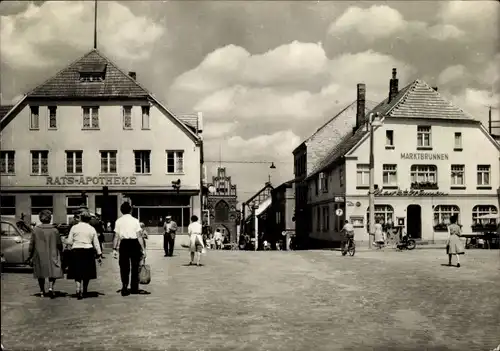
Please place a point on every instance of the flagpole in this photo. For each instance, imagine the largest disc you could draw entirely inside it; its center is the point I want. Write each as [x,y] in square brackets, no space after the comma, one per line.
[95,24]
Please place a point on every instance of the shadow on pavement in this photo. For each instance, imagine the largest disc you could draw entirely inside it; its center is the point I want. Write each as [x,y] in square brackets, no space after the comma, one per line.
[141,292]
[192,265]
[90,294]
[57,294]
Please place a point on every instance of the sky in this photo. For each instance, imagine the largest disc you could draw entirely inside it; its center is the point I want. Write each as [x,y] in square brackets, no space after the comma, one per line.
[265,74]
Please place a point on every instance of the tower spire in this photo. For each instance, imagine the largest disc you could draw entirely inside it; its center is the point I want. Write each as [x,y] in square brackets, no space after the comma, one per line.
[95,24]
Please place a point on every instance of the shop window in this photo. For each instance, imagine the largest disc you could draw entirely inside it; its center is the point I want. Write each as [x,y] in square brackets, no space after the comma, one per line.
[442,214]
[484,217]
[363,175]
[424,136]
[423,177]
[8,206]
[39,203]
[73,203]
[383,214]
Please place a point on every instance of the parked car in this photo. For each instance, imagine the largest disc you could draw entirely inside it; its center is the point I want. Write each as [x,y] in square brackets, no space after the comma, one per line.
[15,236]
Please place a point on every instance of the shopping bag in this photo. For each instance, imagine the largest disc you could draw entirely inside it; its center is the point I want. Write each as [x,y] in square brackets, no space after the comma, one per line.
[145,274]
[204,251]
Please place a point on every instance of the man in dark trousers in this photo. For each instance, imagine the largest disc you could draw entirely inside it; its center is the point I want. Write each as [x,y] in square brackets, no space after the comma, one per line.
[128,245]
[170,228]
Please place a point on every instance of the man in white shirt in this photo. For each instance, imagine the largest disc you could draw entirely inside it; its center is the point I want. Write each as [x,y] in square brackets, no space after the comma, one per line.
[348,231]
[127,243]
[170,228]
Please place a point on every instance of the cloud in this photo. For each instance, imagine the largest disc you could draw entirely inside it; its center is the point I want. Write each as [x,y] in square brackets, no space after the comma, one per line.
[476,12]
[214,130]
[282,86]
[382,21]
[452,74]
[28,42]
[12,101]
[477,102]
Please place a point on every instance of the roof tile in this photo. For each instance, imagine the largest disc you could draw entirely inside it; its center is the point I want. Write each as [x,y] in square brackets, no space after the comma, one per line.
[4,109]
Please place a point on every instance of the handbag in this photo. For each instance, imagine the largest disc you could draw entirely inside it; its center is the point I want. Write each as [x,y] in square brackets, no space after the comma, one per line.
[144,274]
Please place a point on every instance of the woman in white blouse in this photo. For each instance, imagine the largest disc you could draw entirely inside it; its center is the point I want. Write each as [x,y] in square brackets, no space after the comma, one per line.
[84,244]
[195,240]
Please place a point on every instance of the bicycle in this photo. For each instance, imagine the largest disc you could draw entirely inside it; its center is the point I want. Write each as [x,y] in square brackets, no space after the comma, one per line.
[351,247]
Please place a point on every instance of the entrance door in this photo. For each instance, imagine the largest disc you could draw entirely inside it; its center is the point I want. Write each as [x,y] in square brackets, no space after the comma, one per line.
[414,221]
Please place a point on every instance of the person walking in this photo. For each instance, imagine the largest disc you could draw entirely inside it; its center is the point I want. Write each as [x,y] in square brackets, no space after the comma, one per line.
[170,228]
[454,245]
[129,249]
[45,253]
[143,237]
[84,244]
[379,235]
[218,239]
[195,240]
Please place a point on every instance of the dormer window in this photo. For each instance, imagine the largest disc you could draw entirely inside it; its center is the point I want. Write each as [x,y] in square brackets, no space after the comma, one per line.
[92,72]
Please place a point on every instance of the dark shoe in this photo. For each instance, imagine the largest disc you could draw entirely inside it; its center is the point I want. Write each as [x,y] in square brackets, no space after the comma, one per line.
[51,294]
[190,263]
[134,292]
[125,292]
[79,295]
[165,255]
[458,265]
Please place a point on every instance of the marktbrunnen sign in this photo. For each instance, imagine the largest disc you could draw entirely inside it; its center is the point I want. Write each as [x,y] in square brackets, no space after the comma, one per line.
[423,156]
[100,180]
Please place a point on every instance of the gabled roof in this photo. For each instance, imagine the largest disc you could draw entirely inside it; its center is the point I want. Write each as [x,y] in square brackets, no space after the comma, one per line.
[4,109]
[369,105]
[67,84]
[267,186]
[419,100]
[416,100]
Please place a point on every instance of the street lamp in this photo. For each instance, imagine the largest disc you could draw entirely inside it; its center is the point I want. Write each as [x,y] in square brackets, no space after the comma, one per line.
[256,226]
[373,122]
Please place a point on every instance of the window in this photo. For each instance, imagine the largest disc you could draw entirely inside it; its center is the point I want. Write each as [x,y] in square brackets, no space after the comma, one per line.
[480,211]
[341,175]
[7,162]
[39,162]
[324,182]
[127,117]
[317,183]
[142,161]
[39,203]
[458,141]
[318,218]
[326,219]
[363,175]
[35,117]
[457,175]
[383,213]
[91,77]
[483,175]
[442,214]
[73,203]
[424,136]
[175,161]
[74,162]
[145,117]
[8,206]
[90,117]
[108,161]
[423,176]
[52,117]
[389,175]
[389,138]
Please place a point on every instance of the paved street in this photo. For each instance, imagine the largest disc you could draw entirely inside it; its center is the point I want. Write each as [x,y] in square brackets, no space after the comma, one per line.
[313,300]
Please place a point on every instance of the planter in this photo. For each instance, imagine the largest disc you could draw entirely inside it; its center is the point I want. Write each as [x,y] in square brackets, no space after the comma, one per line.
[484,228]
[440,227]
[424,186]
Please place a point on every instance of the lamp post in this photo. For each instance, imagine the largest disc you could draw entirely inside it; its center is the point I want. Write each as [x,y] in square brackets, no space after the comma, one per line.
[373,122]
[256,226]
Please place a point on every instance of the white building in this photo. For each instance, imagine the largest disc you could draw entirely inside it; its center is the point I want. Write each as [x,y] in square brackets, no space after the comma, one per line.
[431,160]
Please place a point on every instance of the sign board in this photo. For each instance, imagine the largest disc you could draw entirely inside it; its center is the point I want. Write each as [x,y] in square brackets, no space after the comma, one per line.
[339,212]
[83,181]
[424,156]
[411,193]
[339,199]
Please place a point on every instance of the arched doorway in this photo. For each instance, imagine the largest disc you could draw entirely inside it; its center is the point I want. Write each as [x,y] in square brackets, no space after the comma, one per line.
[221,211]
[414,221]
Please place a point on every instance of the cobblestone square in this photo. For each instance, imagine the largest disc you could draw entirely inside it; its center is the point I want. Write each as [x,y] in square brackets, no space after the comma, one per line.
[310,300]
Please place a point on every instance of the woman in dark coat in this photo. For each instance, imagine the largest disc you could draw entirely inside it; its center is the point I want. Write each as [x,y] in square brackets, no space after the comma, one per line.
[45,253]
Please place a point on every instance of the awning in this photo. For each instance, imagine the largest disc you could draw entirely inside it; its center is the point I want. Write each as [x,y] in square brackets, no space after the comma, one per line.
[489,216]
[263,206]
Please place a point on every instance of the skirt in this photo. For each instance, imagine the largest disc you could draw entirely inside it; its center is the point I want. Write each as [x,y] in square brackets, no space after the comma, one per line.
[454,246]
[82,264]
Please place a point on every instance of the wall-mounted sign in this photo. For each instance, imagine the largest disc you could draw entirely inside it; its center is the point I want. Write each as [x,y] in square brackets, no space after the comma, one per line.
[339,199]
[339,212]
[424,156]
[82,181]
[414,193]
[349,203]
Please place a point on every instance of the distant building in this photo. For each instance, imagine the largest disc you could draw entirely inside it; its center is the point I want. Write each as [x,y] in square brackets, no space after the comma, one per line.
[309,154]
[432,160]
[93,129]
[258,205]
[221,205]
[282,212]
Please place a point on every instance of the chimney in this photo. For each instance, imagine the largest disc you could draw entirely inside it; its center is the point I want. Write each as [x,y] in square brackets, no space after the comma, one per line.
[200,122]
[132,75]
[393,86]
[435,88]
[360,105]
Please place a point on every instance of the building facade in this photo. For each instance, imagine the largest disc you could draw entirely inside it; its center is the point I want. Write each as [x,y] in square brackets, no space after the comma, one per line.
[282,211]
[310,155]
[94,129]
[221,204]
[432,160]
